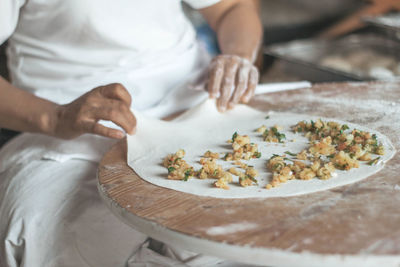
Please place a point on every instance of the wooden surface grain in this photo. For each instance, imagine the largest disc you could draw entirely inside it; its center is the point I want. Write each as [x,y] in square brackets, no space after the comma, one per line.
[357,219]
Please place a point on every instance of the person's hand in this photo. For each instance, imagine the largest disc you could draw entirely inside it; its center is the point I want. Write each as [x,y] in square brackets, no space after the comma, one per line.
[233,78]
[110,102]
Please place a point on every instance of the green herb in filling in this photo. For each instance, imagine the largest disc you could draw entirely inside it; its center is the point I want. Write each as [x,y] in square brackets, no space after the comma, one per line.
[234,136]
[290,153]
[188,173]
[373,161]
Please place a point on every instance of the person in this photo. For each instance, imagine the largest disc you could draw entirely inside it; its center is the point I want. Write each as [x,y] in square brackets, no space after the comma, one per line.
[76,66]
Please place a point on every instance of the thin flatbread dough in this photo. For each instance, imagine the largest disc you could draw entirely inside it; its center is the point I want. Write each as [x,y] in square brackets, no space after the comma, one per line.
[203,128]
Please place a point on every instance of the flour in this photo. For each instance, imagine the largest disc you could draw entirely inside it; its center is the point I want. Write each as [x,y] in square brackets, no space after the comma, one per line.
[231,228]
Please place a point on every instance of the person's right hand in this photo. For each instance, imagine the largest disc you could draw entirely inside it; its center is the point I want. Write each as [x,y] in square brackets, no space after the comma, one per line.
[110,102]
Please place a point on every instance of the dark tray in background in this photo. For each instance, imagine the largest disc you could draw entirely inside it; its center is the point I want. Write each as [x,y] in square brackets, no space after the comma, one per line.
[303,57]
[387,24]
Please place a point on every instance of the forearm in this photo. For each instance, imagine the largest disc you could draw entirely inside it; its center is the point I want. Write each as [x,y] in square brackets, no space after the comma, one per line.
[240,31]
[22,111]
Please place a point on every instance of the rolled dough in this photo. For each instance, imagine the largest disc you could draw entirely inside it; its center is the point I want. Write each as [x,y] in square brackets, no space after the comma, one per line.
[203,128]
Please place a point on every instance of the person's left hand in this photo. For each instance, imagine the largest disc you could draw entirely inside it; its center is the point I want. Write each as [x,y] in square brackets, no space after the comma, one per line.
[232,79]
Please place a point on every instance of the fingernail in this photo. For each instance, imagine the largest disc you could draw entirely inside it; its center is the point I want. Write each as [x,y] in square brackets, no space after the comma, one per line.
[119,135]
[231,105]
[222,109]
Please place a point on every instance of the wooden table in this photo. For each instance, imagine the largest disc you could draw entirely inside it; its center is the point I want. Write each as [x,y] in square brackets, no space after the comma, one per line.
[353,225]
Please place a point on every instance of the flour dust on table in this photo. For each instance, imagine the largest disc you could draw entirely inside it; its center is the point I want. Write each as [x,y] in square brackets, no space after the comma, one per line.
[261,138]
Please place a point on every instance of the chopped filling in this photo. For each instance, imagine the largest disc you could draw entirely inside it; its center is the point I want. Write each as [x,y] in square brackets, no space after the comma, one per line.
[272,134]
[246,178]
[282,170]
[224,181]
[242,148]
[332,146]
[345,148]
[178,168]
[210,169]
[210,154]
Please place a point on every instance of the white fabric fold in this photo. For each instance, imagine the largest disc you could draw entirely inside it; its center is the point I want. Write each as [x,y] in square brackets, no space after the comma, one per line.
[51,215]
[27,147]
[198,4]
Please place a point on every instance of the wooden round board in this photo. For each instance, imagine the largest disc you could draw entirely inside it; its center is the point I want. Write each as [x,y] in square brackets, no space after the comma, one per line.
[353,225]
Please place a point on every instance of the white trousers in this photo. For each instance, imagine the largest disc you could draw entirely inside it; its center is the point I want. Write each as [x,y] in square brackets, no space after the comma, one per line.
[51,215]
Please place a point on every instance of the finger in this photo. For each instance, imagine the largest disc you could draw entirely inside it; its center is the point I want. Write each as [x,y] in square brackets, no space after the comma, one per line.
[252,84]
[118,113]
[93,127]
[241,85]
[116,91]
[216,73]
[227,84]
[107,132]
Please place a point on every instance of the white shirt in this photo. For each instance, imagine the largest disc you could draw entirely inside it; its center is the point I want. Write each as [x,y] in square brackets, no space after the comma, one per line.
[59,49]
